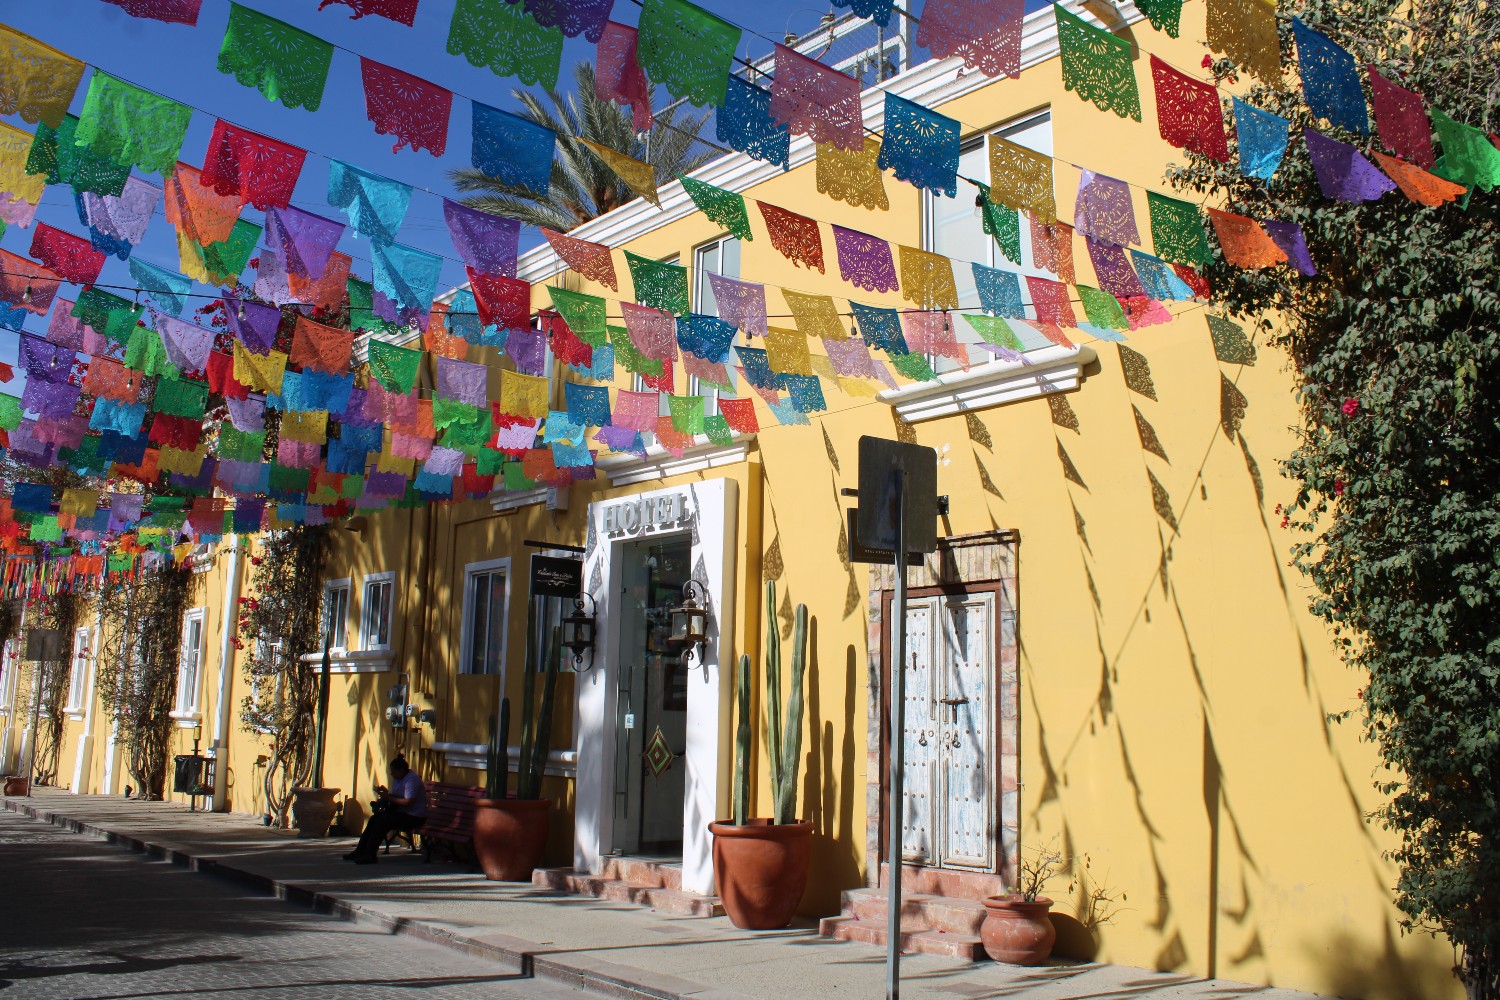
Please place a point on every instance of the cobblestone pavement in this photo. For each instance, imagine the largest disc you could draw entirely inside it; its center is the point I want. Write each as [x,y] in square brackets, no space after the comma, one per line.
[82,919]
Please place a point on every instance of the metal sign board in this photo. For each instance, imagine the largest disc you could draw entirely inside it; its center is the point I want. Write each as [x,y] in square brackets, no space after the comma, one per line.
[861,553]
[881,464]
[555,577]
[44,644]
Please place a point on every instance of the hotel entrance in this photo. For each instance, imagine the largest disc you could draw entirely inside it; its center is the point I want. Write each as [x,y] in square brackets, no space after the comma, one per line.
[651,701]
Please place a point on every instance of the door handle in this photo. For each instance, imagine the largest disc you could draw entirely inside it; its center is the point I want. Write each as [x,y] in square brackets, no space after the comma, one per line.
[952,740]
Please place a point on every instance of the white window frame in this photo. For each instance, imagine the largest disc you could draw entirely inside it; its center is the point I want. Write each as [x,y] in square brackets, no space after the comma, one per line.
[78,672]
[702,291]
[10,667]
[190,675]
[263,651]
[466,625]
[1034,131]
[330,587]
[367,607]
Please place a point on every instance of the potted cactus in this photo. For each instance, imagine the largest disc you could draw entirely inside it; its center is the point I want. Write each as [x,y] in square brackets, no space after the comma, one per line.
[761,864]
[510,832]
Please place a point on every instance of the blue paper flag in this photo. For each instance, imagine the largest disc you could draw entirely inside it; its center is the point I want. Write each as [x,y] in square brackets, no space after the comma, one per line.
[921,146]
[1330,81]
[878,11]
[167,289]
[406,276]
[1158,279]
[374,205]
[587,404]
[881,328]
[805,392]
[999,292]
[1262,138]
[513,149]
[744,123]
[32,498]
[757,368]
[708,337]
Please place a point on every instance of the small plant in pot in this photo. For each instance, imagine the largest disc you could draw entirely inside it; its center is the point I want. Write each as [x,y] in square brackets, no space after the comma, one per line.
[1017,928]
[510,832]
[760,865]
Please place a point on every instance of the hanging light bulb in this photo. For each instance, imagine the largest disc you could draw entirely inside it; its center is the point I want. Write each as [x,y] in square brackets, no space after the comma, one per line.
[26,296]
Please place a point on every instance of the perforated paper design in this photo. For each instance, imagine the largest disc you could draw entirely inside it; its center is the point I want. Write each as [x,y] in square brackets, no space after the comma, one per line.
[1470,157]
[744,123]
[852,176]
[999,292]
[1021,179]
[985,34]
[1262,137]
[503,302]
[68,256]
[321,348]
[1343,172]
[817,101]
[794,236]
[1104,210]
[1243,241]
[131,126]
[55,154]
[284,63]
[652,331]
[487,243]
[920,146]
[167,290]
[1245,31]
[15,146]
[1189,112]
[117,223]
[618,77]
[687,50]
[1417,184]
[409,108]
[1164,15]
[588,404]
[1049,299]
[865,260]
[169,11]
[1177,230]
[1096,65]
[400,11]
[932,333]
[462,381]
[1002,223]
[1052,248]
[250,166]
[407,277]
[592,260]
[1112,269]
[706,337]
[511,148]
[571,17]
[638,175]
[878,11]
[584,314]
[1158,278]
[1330,81]
[815,315]
[305,240]
[1288,236]
[499,36]
[37,82]
[1401,120]
[27,285]
[724,208]
[374,205]
[658,284]
[741,303]
[927,279]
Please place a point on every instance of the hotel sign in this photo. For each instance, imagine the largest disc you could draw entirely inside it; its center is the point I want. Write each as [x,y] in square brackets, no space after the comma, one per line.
[645,515]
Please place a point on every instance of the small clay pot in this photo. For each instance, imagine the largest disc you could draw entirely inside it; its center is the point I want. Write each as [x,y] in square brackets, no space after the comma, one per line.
[15,785]
[313,809]
[1017,931]
[510,837]
[761,870]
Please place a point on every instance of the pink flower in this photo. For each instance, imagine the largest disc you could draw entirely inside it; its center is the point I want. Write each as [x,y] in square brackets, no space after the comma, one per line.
[1286,521]
[1338,487]
[1208,60]
[1350,407]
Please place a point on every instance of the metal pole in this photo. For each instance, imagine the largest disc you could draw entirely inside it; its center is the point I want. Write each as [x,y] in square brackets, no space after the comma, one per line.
[36,716]
[897,797]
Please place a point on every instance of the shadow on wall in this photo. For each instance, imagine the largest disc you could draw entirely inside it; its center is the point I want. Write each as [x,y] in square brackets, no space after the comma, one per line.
[1353,968]
[828,786]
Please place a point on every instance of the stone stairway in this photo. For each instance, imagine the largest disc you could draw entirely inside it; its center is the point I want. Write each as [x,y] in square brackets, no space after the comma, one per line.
[657,884]
[932,925]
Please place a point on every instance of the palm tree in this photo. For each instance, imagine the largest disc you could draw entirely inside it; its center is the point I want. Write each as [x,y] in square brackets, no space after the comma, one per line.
[582,187]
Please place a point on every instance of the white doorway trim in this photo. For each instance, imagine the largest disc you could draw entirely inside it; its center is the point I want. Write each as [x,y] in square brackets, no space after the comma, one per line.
[711,518]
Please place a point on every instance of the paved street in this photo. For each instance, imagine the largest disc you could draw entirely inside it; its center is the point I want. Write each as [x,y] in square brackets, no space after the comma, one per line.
[83,919]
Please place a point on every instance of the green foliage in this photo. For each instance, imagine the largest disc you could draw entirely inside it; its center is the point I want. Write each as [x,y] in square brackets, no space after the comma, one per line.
[783,736]
[536,721]
[497,759]
[1396,348]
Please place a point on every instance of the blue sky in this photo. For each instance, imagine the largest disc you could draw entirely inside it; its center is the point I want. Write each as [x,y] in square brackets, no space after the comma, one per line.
[180,62]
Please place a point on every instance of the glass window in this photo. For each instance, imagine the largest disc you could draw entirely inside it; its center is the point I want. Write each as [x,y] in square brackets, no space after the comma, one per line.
[78,676]
[956,229]
[190,661]
[722,257]
[484,617]
[10,662]
[336,614]
[375,628]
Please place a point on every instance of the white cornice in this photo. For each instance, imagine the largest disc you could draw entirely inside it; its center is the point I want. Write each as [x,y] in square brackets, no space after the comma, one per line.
[626,470]
[1045,371]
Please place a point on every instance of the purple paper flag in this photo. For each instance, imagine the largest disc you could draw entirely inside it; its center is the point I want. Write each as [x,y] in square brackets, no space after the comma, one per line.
[271,283]
[306,241]
[463,381]
[252,323]
[44,361]
[188,346]
[1288,236]
[487,243]
[865,260]
[1343,172]
[64,329]
[621,439]
[741,303]
[1104,211]
[248,414]
[528,349]
[1113,270]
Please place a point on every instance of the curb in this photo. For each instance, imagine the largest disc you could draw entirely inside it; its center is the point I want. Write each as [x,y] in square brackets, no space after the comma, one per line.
[526,958]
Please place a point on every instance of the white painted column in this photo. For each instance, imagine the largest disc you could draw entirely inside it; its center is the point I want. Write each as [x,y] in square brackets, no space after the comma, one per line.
[83,762]
[223,717]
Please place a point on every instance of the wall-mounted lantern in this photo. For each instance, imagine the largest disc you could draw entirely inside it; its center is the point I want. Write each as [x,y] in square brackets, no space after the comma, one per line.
[578,629]
[690,622]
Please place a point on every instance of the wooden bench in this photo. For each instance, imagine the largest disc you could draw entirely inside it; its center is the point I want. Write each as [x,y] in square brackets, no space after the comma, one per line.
[450,818]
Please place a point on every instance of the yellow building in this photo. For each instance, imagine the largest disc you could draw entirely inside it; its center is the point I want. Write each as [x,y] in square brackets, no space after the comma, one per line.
[1109,650]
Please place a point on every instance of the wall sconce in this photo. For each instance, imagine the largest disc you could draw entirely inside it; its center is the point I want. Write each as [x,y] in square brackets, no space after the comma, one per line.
[578,629]
[690,623]
[398,710]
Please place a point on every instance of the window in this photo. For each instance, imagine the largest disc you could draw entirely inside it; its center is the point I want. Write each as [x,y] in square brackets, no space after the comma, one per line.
[10,666]
[78,675]
[375,611]
[189,663]
[955,229]
[336,614]
[638,384]
[722,257]
[485,614]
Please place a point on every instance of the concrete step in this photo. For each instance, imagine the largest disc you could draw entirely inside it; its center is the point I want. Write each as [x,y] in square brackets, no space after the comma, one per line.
[926,942]
[641,871]
[920,911]
[660,898]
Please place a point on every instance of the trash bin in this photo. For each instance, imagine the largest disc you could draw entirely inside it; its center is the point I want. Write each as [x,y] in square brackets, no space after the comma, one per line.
[188,773]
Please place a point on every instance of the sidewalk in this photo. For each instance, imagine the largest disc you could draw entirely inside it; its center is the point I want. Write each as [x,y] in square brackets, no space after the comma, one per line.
[614,949]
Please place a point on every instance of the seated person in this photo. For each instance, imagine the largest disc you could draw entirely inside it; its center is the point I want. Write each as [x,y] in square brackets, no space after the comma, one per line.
[403,806]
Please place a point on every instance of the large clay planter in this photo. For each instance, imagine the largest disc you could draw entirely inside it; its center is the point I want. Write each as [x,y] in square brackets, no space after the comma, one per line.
[15,785]
[761,870]
[1017,931]
[312,810]
[510,837]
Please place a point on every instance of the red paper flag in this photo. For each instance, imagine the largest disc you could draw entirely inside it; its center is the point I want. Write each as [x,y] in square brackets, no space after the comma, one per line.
[1189,112]
[71,257]
[250,166]
[411,109]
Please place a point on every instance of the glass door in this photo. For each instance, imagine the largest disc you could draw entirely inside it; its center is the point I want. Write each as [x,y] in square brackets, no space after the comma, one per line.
[651,701]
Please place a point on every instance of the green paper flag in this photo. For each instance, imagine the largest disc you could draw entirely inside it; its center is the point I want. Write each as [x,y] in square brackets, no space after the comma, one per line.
[10,412]
[716,426]
[659,284]
[56,154]
[1096,65]
[1103,309]
[146,354]
[724,208]
[1177,230]
[1164,15]
[1002,223]
[362,308]
[515,478]
[130,126]
[631,359]
[687,50]
[448,413]
[489,462]
[226,260]
[992,330]
[394,367]
[181,398]
[1469,158]
[284,63]
[240,446]
[914,366]
[507,40]
[687,413]
[583,313]
[108,314]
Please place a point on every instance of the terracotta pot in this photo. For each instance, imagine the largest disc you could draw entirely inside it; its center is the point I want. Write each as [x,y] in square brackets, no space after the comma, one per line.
[1017,931]
[15,785]
[761,870]
[510,837]
[312,810]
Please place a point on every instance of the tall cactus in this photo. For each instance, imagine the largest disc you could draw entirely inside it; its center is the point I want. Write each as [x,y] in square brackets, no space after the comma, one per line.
[497,763]
[783,736]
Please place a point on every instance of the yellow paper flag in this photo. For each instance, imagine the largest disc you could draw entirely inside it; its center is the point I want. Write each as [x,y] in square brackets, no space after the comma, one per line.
[639,177]
[522,395]
[15,147]
[79,503]
[927,279]
[261,372]
[37,82]
[1021,178]
[815,315]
